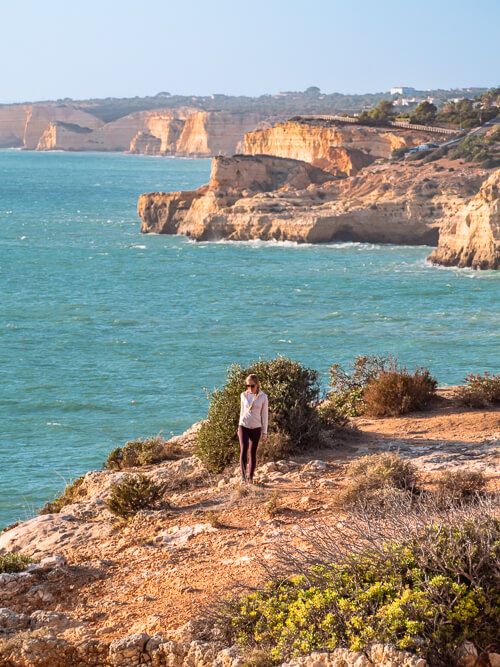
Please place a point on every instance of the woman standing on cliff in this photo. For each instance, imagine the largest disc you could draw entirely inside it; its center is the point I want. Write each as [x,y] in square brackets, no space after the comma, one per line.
[253,422]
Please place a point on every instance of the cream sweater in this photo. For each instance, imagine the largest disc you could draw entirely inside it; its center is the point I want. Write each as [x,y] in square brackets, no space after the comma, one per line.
[254,410]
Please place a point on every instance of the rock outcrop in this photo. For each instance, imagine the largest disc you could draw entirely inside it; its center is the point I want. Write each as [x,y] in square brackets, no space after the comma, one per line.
[339,149]
[389,203]
[194,213]
[471,237]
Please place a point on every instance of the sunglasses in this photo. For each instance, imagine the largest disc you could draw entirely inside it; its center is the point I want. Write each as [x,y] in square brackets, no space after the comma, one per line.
[250,385]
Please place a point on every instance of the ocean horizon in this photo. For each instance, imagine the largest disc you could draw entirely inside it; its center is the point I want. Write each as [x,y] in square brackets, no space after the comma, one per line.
[109,335]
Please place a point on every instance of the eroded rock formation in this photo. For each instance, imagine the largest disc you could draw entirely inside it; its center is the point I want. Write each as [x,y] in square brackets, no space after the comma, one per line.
[383,204]
[471,237]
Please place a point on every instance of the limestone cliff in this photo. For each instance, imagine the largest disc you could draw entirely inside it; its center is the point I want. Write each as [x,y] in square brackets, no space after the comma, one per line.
[388,203]
[215,132]
[471,237]
[12,122]
[230,179]
[23,125]
[340,149]
[39,116]
[182,131]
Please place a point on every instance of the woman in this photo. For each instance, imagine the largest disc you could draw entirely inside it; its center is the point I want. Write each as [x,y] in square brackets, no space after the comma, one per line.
[252,425]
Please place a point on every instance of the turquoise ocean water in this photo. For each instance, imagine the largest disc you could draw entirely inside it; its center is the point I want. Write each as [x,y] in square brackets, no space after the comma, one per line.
[108,335]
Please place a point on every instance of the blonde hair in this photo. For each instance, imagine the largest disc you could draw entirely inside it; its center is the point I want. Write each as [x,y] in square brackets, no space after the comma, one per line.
[253,378]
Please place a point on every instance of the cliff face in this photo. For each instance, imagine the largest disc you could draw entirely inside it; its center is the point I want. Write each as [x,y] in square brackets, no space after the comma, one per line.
[23,125]
[471,237]
[383,204]
[12,122]
[39,116]
[163,132]
[215,132]
[340,149]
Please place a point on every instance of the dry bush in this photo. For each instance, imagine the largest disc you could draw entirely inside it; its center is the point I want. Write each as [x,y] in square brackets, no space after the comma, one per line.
[133,493]
[370,477]
[397,391]
[142,452]
[256,657]
[214,519]
[71,494]
[459,485]
[479,391]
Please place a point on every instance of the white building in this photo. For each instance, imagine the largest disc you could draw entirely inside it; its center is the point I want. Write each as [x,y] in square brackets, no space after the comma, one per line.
[403,90]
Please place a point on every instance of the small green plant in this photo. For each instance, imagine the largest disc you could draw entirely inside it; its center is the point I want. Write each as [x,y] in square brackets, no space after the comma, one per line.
[480,391]
[294,424]
[273,505]
[459,485]
[14,562]
[397,391]
[369,476]
[142,452]
[72,493]
[133,493]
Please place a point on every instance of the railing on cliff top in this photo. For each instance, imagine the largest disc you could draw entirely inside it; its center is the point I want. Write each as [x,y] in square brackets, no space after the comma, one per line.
[393,123]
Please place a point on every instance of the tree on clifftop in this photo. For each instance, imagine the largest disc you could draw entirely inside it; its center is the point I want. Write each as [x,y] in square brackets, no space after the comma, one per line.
[425,112]
[380,114]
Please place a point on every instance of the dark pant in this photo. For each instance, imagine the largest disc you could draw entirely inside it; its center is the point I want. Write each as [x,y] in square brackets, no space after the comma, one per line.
[249,439]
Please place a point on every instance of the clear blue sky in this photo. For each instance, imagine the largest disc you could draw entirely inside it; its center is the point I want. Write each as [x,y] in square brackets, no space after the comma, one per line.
[97,48]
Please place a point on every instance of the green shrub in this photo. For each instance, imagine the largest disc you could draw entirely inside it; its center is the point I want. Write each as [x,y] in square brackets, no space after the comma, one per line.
[459,485]
[14,562]
[395,392]
[479,390]
[294,425]
[370,475]
[142,452]
[71,494]
[133,493]
[426,593]
[345,396]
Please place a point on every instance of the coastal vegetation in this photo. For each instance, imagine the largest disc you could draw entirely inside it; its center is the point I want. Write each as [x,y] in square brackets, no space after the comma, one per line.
[14,562]
[141,452]
[419,580]
[294,424]
[132,494]
[69,495]
[458,486]
[369,478]
[376,386]
[480,390]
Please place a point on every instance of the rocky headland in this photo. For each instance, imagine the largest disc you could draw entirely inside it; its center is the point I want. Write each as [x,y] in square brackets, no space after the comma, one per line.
[105,592]
[362,195]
